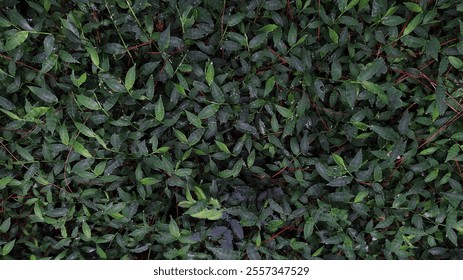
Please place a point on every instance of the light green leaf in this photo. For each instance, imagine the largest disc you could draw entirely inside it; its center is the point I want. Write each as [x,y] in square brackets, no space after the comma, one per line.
[222,147]
[8,247]
[78,81]
[210,73]
[93,55]
[36,113]
[10,114]
[413,24]
[87,102]
[453,152]
[456,62]
[339,161]
[80,149]
[86,230]
[5,225]
[85,130]
[413,7]
[130,77]
[209,214]
[285,112]
[15,40]
[333,35]
[360,196]
[173,228]
[149,181]
[64,135]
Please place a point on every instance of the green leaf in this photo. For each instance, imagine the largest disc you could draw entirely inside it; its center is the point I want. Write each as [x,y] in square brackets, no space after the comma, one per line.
[208,111]
[392,20]
[78,81]
[386,133]
[4,181]
[412,24]
[370,70]
[10,114]
[432,176]
[85,130]
[360,196]
[222,147]
[173,228]
[333,35]
[99,168]
[8,247]
[6,223]
[413,7]
[209,214]
[193,119]
[308,228]
[149,181]
[64,135]
[453,152]
[44,94]
[87,102]
[15,40]
[180,136]
[130,78]
[456,62]
[36,113]
[285,112]
[164,39]
[159,112]
[49,63]
[351,4]
[376,89]
[269,85]
[339,161]
[268,28]
[80,149]
[93,55]
[217,93]
[292,35]
[86,230]
[210,73]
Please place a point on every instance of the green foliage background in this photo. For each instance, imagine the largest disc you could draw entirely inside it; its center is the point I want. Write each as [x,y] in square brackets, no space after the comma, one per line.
[204,129]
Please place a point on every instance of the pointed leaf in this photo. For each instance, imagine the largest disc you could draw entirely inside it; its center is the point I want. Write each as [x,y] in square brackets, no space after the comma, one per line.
[159,110]
[44,94]
[130,77]
[15,40]
[87,102]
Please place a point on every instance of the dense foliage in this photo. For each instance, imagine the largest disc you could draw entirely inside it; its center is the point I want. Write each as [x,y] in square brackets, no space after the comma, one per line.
[207,129]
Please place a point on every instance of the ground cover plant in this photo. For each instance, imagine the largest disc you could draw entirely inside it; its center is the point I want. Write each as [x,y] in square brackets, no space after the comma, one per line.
[204,129]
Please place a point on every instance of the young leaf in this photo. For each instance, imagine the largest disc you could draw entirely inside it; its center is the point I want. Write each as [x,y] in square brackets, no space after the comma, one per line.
[222,147]
[173,228]
[210,73]
[80,149]
[15,40]
[93,55]
[87,102]
[339,161]
[285,112]
[5,225]
[130,78]
[333,35]
[86,230]
[456,62]
[8,247]
[413,24]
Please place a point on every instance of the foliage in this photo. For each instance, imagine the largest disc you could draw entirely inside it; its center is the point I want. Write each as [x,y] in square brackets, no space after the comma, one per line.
[204,129]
